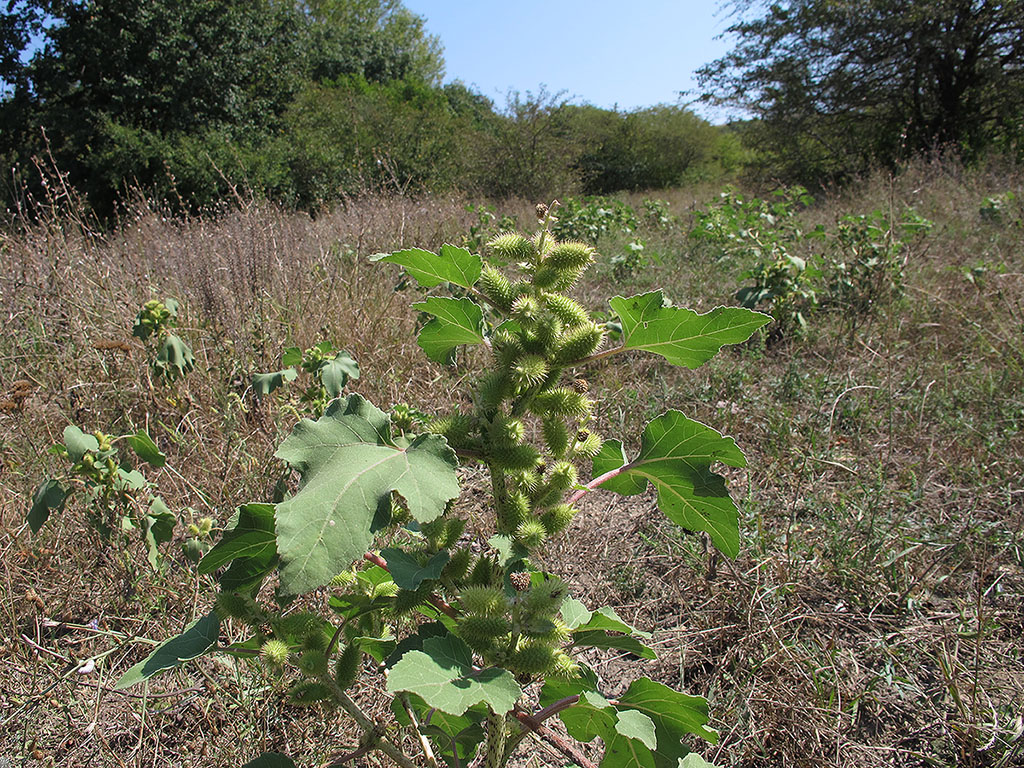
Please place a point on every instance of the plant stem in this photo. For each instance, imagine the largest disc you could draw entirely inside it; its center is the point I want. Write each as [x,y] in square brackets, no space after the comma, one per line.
[495,750]
[553,739]
[428,752]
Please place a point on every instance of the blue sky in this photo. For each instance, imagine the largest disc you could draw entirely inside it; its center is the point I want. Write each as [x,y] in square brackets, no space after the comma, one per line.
[604,52]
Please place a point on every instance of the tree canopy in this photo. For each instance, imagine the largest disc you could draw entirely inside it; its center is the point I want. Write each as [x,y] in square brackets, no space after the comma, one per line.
[836,85]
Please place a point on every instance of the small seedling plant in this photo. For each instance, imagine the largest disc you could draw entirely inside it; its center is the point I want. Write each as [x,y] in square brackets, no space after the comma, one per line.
[477,646]
[328,369]
[172,357]
[116,496]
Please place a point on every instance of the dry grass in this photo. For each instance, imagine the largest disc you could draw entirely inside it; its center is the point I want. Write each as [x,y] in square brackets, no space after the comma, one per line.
[875,614]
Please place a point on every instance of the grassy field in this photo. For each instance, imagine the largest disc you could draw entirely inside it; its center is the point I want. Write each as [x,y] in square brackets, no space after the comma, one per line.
[874,616]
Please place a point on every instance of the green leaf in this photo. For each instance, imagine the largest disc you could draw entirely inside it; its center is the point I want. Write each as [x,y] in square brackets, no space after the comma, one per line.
[291,356]
[146,449]
[78,443]
[453,265]
[129,480]
[636,725]
[174,358]
[442,675]
[335,373]
[601,639]
[680,335]
[197,638]
[577,617]
[265,383]
[675,455]
[49,495]
[408,573]
[250,546]
[349,469]
[455,322]
[674,716]
[157,528]
[270,760]
[693,760]
[628,740]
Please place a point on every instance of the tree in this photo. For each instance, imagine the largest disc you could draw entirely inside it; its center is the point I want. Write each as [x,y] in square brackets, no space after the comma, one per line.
[837,85]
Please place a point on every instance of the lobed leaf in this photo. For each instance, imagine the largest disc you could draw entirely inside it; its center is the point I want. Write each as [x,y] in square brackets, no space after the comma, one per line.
[408,573]
[335,373]
[265,383]
[79,443]
[157,528]
[680,335]
[349,468]
[442,674]
[452,265]
[675,455]
[250,547]
[674,716]
[455,322]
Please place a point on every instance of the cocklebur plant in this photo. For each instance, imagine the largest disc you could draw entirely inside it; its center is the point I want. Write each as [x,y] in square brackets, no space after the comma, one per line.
[173,358]
[477,646]
[329,369]
[117,497]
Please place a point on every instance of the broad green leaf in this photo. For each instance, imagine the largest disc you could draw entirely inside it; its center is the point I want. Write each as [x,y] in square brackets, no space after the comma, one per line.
[129,480]
[174,358]
[442,674]
[629,737]
[595,638]
[693,760]
[197,638]
[674,716]
[636,725]
[250,546]
[291,356]
[265,383]
[578,618]
[49,495]
[335,373]
[146,449]
[408,573]
[78,443]
[453,265]
[349,469]
[157,528]
[675,455]
[680,335]
[270,760]
[455,322]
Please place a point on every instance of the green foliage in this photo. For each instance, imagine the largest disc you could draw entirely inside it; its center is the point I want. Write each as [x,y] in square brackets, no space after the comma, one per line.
[591,218]
[173,359]
[117,497]
[497,623]
[329,369]
[837,88]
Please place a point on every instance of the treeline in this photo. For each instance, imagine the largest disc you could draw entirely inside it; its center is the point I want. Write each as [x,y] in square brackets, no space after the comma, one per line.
[301,102]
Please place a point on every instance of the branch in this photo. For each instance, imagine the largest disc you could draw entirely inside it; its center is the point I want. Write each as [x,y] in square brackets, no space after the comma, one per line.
[552,738]
[597,481]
